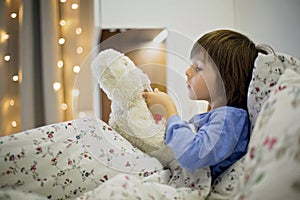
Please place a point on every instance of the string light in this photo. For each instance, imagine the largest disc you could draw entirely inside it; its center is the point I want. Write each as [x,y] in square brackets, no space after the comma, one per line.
[64,106]
[14,124]
[56,86]
[78,31]
[76,69]
[74,6]
[62,22]
[13,15]
[7,33]
[79,50]
[15,78]
[11,102]
[4,36]
[75,92]
[61,41]
[6,58]
[60,64]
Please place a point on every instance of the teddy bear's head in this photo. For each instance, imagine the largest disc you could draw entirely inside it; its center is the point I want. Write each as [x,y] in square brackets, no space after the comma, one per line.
[118,76]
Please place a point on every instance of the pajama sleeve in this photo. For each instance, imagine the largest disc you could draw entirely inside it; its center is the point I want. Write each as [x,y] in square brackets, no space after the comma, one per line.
[213,142]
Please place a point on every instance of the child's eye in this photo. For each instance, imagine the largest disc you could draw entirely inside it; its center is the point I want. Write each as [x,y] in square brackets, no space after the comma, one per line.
[197,68]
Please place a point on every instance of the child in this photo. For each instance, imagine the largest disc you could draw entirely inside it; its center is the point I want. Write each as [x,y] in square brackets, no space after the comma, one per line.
[220,73]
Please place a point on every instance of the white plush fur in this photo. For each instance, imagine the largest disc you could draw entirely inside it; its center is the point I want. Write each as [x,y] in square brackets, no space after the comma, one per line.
[124,84]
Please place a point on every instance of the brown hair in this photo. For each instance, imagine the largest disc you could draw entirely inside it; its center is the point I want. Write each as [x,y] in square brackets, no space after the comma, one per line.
[233,54]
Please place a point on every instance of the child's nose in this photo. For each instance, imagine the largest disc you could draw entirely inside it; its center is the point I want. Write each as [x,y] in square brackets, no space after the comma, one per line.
[188,72]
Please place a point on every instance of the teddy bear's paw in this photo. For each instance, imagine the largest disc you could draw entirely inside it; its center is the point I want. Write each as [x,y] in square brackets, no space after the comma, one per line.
[164,154]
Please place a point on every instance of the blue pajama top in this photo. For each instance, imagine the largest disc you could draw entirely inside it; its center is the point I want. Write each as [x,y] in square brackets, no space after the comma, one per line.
[219,140]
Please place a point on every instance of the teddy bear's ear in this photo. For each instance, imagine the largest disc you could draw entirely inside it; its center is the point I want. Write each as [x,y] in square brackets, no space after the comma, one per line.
[103,61]
[128,62]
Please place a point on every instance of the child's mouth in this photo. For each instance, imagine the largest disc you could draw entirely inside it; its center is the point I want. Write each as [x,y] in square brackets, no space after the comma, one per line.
[188,85]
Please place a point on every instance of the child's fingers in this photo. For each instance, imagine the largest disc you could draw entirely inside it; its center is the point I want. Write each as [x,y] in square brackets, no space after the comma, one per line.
[144,95]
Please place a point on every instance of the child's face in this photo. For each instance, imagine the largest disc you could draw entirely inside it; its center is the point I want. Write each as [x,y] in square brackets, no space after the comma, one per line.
[201,80]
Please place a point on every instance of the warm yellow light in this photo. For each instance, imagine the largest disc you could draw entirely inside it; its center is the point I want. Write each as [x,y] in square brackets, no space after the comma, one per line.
[61,40]
[13,15]
[74,6]
[56,86]
[15,78]
[6,58]
[60,64]
[14,124]
[76,69]
[4,36]
[63,1]
[79,50]
[62,22]
[64,106]
[12,102]
[78,31]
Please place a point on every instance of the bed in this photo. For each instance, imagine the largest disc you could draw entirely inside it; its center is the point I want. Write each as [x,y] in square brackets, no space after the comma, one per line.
[86,159]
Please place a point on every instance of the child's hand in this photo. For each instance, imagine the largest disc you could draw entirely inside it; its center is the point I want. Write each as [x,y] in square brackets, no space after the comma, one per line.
[162,99]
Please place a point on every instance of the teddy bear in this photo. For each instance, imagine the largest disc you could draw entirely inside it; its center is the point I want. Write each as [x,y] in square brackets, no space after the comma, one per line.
[123,82]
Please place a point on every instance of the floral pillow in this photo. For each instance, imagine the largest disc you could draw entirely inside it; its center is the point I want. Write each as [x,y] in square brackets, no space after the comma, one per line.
[266,72]
[272,163]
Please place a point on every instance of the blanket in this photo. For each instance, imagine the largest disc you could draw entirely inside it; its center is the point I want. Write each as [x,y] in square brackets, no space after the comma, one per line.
[86,159]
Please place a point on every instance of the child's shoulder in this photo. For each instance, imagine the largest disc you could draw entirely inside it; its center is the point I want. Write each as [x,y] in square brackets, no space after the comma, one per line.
[228,109]
[226,112]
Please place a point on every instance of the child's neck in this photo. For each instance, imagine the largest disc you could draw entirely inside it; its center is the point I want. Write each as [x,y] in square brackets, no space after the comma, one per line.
[214,105]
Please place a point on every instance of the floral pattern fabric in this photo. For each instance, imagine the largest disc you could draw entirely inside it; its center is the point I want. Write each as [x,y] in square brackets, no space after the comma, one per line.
[272,163]
[75,159]
[227,184]
[266,73]
[65,160]
[182,185]
[86,159]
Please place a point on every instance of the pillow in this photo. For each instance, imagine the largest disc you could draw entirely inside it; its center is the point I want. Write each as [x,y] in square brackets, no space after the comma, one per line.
[272,163]
[266,72]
